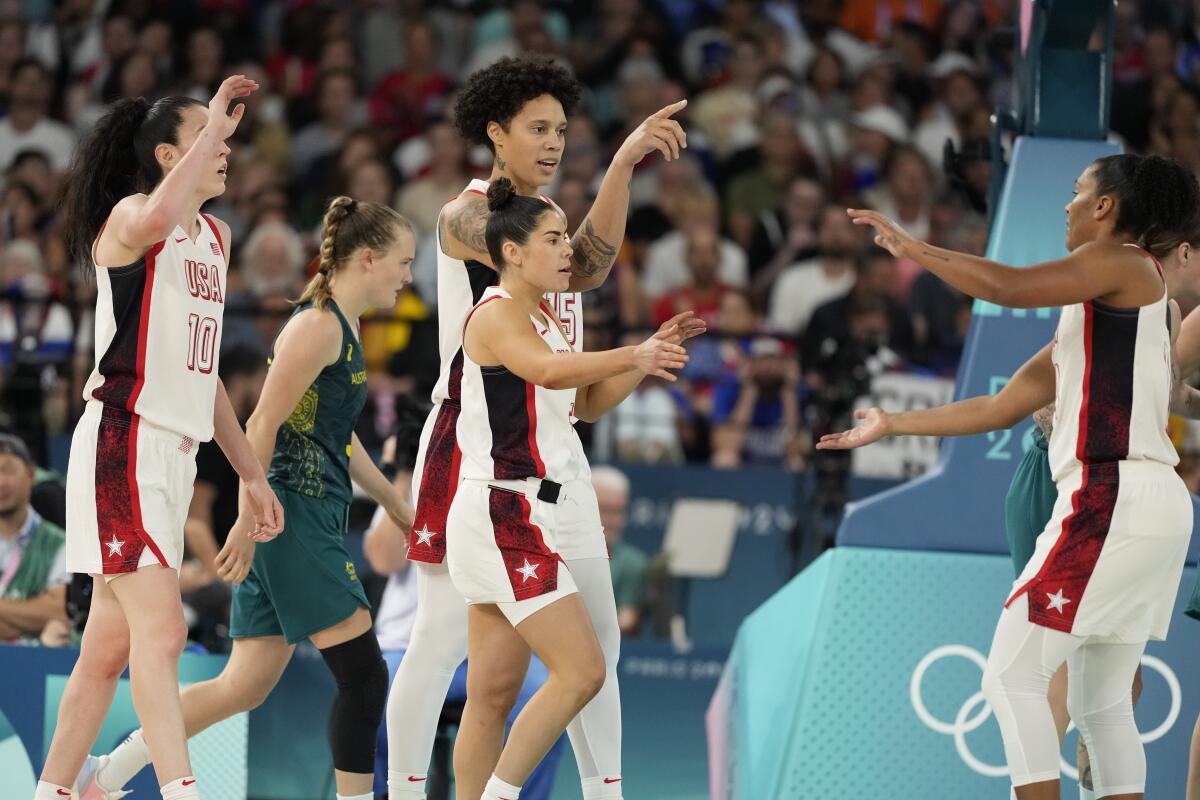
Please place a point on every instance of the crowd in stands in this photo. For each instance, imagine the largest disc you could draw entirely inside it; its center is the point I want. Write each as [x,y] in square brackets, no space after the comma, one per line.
[796,111]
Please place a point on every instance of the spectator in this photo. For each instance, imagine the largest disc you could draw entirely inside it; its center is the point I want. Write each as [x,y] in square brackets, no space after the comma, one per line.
[444,176]
[34,324]
[32,168]
[959,96]
[33,573]
[646,425]
[872,20]
[12,50]
[703,292]
[761,190]
[877,130]
[806,285]
[27,124]
[404,99]
[272,273]
[666,260]
[941,314]
[336,107]
[728,113]
[372,181]
[756,414]
[824,108]
[906,192]
[787,235]
[833,326]
[628,564]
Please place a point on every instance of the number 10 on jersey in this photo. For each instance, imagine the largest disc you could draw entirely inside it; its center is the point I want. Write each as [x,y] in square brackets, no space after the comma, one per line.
[202,343]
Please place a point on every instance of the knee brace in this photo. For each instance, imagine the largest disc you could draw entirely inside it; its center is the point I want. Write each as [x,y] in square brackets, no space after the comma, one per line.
[362,681]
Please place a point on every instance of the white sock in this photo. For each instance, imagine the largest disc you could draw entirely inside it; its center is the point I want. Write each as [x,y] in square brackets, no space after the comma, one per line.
[497,789]
[604,787]
[406,785]
[182,789]
[367,796]
[130,757]
[50,791]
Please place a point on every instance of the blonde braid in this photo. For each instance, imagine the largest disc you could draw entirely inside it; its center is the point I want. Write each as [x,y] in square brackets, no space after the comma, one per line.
[318,291]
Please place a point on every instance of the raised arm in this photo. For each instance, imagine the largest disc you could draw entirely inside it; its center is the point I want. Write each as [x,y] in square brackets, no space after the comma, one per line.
[1118,275]
[499,332]
[1031,388]
[139,221]
[600,234]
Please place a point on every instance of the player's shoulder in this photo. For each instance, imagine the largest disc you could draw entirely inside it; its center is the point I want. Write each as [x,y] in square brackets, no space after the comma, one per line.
[223,229]
[313,330]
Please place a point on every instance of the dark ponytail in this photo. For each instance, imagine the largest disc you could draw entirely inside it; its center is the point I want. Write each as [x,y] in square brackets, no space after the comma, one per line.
[514,217]
[1156,197]
[116,159]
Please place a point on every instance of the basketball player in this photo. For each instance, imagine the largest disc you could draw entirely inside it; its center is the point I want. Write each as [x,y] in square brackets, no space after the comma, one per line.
[1029,504]
[518,108]
[303,585]
[132,208]
[1113,330]
[521,463]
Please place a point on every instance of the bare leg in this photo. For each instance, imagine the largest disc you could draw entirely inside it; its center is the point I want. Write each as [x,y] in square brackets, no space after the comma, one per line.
[493,685]
[157,634]
[561,635]
[1193,778]
[253,669]
[103,656]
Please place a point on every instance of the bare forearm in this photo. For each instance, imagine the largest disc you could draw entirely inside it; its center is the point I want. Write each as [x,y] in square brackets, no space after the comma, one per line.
[170,199]
[599,398]
[30,616]
[232,440]
[966,417]
[596,242]
[572,370]
[972,275]
[386,547]
[1187,402]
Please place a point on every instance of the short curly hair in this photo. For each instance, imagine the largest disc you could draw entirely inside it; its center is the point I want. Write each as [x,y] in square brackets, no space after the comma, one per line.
[497,93]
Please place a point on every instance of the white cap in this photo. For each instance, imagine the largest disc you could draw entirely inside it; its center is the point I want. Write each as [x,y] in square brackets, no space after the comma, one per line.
[951,62]
[882,119]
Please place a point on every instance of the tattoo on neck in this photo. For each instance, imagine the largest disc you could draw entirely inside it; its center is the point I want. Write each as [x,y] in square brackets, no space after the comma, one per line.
[591,253]
[500,165]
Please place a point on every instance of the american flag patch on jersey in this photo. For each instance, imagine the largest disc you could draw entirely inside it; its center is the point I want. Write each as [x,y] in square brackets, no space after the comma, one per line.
[187,443]
[216,248]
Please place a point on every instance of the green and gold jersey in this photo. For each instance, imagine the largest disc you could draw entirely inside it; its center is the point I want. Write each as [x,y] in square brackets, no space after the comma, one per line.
[312,449]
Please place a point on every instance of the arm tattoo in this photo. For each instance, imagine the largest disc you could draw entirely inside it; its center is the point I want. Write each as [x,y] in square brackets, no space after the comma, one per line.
[930,254]
[592,254]
[468,225]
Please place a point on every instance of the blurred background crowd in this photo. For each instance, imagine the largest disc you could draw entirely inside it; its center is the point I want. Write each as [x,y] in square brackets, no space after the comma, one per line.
[796,111]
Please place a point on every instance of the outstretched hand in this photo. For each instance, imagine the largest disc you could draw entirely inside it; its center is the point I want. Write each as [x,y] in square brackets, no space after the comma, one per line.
[681,327]
[888,234]
[876,424]
[658,132]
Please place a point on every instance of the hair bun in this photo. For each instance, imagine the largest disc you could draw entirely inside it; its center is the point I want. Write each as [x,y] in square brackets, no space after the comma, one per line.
[500,193]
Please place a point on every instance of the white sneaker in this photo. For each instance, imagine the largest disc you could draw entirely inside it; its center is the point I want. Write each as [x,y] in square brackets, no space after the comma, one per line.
[86,784]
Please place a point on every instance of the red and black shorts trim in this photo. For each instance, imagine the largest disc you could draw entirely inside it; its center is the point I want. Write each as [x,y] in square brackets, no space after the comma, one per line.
[122,534]
[439,482]
[532,567]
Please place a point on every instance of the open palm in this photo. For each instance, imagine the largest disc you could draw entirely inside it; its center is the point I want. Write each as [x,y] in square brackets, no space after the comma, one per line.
[874,427]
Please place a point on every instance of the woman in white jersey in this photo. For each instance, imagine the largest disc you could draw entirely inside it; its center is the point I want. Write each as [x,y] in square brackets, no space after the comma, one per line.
[521,458]
[518,108]
[1104,573]
[133,208]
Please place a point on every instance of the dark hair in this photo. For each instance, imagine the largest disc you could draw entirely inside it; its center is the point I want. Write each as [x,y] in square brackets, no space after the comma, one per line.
[499,92]
[12,445]
[27,61]
[23,188]
[349,225]
[1156,198]
[114,160]
[514,217]
[28,154]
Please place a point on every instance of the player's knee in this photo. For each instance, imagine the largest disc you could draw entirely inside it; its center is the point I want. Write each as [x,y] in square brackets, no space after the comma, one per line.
[362,681]
[586,679]
[494,693]
[250,693]
[167,641]
[106,663]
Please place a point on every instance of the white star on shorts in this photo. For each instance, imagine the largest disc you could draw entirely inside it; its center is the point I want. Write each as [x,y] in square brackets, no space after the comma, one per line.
[114,546]
[528,571]
[424,535]
[1057,601]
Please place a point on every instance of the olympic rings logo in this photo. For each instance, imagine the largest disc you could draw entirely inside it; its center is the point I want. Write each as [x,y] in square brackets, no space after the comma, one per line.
[975,711]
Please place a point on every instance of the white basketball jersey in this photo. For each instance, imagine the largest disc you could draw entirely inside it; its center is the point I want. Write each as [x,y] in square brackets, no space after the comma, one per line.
[460,285]
[1113,393]
[509,428]
[158,332]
